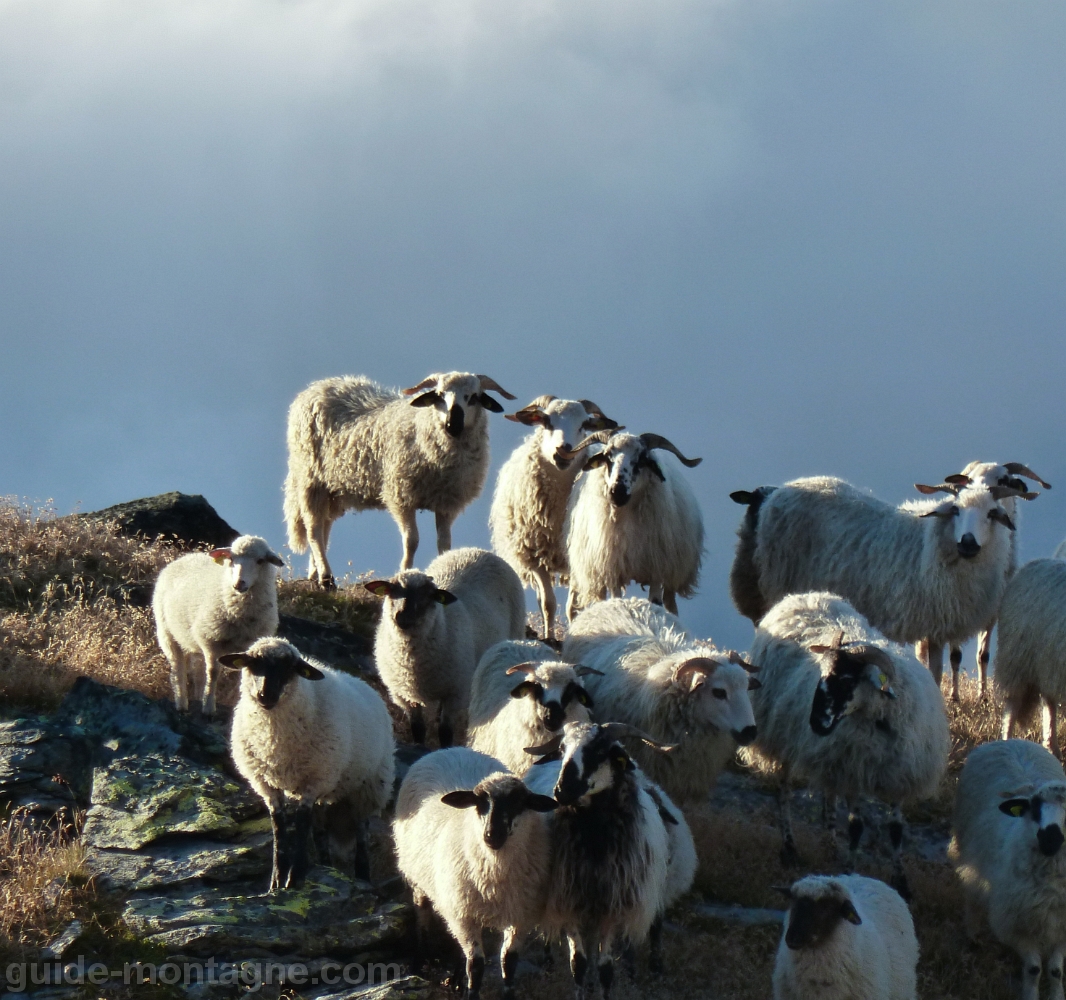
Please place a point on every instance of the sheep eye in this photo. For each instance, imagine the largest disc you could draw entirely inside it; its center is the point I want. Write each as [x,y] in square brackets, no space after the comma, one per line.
[954,511]
[719,693]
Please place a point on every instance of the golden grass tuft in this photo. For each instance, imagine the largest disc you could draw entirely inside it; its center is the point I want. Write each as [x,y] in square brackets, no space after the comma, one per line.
[350,605]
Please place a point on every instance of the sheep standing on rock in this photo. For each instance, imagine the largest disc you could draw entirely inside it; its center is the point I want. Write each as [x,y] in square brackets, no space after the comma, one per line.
[304,733]
[1031,654]
[356,445]
[532,490]
[521,696]
[435,625]
[846,938]
[656,677]
[1010,814]
[847,711]
[207,604]
[930,575]
[636,521]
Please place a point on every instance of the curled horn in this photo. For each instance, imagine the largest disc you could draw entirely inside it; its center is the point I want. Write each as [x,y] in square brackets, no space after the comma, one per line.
[491,383]
[869,653]
[424,384]
[944,487]
[735,657]
[658,441]
[697,665]
[523,668]
[618,730]
[1017,469]
[597,437]
[1005,492]
[837,643]
[546,748]
[593,409]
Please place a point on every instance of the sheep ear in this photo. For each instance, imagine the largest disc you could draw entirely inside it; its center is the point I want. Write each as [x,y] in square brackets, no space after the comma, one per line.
[529,415]
[754,683]
[528,687]
[1015,807]
[426,399]
[621,758]
[600,458]
[443,597]
[650,463]
[584,697]
[221,555]
[549,758]
[1002,517]
[460,800]
[849,913]
[275,559]
[489,403]
[541,803]
[743,497]
[304,669]
[236,661]
[381,588]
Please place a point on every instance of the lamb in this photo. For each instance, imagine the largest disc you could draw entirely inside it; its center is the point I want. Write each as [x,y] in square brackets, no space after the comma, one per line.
[304,733]
[356,445]
[435,625]
[471,840]
[638,521]
[849,712]
[532,490]
[846,937]
[929,575]
[208,604]
[658,678]
[609,849]
[1031,655]
[1010,813]
[520,697]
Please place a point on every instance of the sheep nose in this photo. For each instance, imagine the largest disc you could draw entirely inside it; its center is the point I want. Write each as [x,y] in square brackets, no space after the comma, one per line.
[569,787]
[554,717]
[1049,839]
[240,586]
[968,546]
[745,736]
[619,496]
[561,460]
[454,424]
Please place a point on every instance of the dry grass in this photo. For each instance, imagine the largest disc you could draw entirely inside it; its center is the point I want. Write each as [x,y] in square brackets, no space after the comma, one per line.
[349,606]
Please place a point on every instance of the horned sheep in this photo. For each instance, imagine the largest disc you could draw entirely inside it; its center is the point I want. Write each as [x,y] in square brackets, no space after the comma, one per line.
[532,490]
[208,604]
[520,697]
[679,689]
[356,445]
[305,734]
[1010,814]
[435,626]
[846,937]
[636,521]
[919,574]
[471,840]
[847,711]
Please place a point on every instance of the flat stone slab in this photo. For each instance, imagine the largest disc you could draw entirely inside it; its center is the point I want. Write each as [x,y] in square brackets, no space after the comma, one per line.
[137,800]
[330,914]
[44,766]
[407,988]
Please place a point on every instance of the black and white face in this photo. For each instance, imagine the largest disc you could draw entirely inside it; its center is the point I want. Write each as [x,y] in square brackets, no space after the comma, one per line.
[555,704]
[1045,811]
[845,689]
[812,921]
[500,801]
[971,522]
[270,670]
[410,599]
[458,399]
[591,763]
[247,561]
[623,459]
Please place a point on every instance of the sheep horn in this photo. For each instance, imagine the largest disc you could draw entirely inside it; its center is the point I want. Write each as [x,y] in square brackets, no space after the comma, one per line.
[735,657]
[597,437]
[869,653]
[944,487]
[697,665]
[1017,469]
[524,668]
[582,671]
[658,441]
[491,383]
[1006,492]
[838,641]
[591,408]
[546,748]
[618,730]
[424,384]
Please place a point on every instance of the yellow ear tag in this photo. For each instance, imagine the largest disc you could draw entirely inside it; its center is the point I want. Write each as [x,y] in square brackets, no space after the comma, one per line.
[884,680]
[1017,810]
[220,560]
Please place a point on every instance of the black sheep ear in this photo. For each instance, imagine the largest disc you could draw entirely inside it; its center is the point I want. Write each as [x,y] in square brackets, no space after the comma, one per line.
[651,464]
[430,398]
[464,799]
[745,497]
[1015,807]
[600,458]
[443,597]
[489,403]
[530,688]
[275,560]
[304,669]
[382,588]
[785,890]
[549,758]
[849,913]
[236,661]
[541,803]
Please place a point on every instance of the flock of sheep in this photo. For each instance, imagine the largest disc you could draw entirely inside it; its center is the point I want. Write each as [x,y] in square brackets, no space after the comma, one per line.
[561,814]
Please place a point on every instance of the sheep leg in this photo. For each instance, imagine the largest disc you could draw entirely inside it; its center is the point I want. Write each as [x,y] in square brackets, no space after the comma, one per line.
[542,583]
[789,855]
[932,655]
[1054,973]
[1048,719]
[409,532]
[629,960]
[1031,975]
[956,662]
[670,601]
[895,836]
[509,960]
[655,593]
[280,827]
[855,828]
[579,963]
[605,966]
[418,724]
[179,672]
[318,540]
[655,943]
[445,730]
[829,813]
[984,646]
[211,669]
[423,917]
[571,604]
[444,532]
[1009,722]
[475,959]
[362,853]
[299,857]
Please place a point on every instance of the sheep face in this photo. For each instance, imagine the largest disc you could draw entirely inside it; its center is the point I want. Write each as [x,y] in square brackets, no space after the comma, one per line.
[1044,811]
[247,560]
[564,423]
[269,668]
[592,762]
[500,801]
[458,398]
[717,695]
[623,458]
[411,599]
[969,519]
[818,907]
[854,683]
[555,697]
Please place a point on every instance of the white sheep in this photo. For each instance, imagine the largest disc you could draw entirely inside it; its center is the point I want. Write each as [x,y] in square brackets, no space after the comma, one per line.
[207,604]
[1010,813]
[636,521]
[471,841]
[920,574]
[847,711]
[356,445]
[305,734]
[846,937]
[1031,653]
[435,625]
[521,696]
[679,689]
[609,846]
[532,490]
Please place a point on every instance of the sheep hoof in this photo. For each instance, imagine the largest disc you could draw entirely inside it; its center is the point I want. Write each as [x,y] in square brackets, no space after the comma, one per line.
[328,583]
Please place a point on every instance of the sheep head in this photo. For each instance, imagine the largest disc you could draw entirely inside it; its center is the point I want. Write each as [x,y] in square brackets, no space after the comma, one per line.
[714,689]
[500,801]
[851,665]
[248,559]
[817,906]
[409,598]
[458,397]
[269,666]
[1045,808]
[554,691]
[624,457]
[564,423]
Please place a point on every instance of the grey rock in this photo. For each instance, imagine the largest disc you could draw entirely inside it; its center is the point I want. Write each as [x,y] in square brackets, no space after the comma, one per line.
[182,517]
[332,644]
[45,767]
[407,988]
[59,947]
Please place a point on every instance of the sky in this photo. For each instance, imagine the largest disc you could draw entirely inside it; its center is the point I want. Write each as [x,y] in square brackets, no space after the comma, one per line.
[796,238]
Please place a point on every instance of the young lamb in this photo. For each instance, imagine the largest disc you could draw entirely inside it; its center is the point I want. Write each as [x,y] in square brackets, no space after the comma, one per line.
[356,445]
[933,575]
[637,520]
[657,677]
[304,733]
[435,625]
[532,490]
[844,938]
[1010,813]
[207,604]
[847,711]
[520,697]
[471,840]
[1031,655]
[609,846]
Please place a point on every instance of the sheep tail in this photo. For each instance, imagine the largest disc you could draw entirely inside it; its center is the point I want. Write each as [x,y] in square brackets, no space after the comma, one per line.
[294,519]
